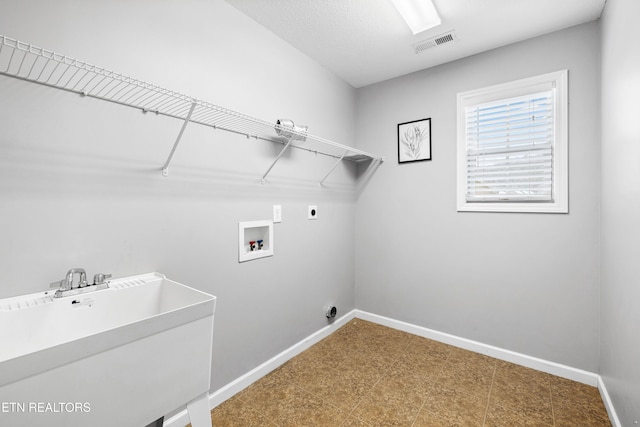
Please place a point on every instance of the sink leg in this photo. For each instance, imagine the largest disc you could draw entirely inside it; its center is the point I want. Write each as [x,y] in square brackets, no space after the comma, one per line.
[198,410]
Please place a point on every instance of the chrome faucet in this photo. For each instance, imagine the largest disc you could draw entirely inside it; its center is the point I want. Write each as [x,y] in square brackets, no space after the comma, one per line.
[83,278]
[66,287]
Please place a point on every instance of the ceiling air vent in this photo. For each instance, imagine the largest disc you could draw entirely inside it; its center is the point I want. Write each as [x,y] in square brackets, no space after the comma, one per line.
[434,41]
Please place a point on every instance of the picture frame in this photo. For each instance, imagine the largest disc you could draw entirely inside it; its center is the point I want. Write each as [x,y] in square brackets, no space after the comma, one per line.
[414,141]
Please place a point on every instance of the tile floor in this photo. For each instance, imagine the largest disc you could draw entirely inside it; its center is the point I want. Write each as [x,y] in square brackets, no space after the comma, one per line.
[370,375]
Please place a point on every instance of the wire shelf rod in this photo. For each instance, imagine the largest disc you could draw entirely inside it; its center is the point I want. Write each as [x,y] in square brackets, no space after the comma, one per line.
[333,167]
[165,168]
[147,97]
[24,57]
[70,79]
[101,87]
[122,85]
[126,88]
[176,107]
[105,86]
[10,58]
[43,68]
[135,90]
[161,102]
[170,99]
[55,68]
[95,76]
[57,83]
[31,63]
[276,160]
[85,73]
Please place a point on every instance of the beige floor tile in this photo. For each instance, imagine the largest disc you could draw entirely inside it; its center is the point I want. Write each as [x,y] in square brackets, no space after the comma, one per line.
[236,413]
[571,391]
[459,357]
[576,404]
[379,413]
[428,419]
[308,411]
[452,406]
[367,375]
[405,388]
[519,379]
[288,405]
[536,407]
[355,422]
[585,415]
[363,368]
[264,389]
[420,365]
[523,391]
[327,353]
[425,347]
[391,402]
[341,389]
[472,374]
[307,375]
[505,416]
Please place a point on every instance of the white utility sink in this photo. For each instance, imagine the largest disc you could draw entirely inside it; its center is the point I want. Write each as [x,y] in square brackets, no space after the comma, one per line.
[122,356]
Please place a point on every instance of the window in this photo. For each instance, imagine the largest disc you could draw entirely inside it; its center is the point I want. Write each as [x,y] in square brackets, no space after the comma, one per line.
[513,146]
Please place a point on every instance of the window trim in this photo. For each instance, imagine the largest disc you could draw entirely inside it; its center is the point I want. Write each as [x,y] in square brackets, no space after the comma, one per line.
[559,81]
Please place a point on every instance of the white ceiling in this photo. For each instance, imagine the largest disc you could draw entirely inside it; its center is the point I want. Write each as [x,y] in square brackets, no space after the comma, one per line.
[366,41]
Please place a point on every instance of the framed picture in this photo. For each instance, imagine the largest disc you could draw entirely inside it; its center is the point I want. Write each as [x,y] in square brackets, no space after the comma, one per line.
[414,141]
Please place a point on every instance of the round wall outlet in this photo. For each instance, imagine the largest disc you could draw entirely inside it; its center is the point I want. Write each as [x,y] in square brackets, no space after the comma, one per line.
[312,212]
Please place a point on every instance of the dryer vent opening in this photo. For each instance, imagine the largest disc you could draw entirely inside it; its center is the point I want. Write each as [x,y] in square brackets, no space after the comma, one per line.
[331,312]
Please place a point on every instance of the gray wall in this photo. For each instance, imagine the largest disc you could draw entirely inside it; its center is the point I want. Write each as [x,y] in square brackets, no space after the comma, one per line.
[620,349]
[523,282]
[80,186]
[80,181]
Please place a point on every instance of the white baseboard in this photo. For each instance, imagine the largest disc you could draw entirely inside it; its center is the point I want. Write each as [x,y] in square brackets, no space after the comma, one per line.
[181,419]
[557,369]
[553,368]
[613,416]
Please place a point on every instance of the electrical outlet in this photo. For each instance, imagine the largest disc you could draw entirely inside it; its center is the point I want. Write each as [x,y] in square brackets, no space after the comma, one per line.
[312,212]
[277,213]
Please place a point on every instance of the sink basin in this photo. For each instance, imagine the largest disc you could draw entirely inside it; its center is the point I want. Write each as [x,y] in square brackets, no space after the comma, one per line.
[124,356]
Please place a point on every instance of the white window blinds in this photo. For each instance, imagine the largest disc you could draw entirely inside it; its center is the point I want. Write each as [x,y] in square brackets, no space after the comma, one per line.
[510,148]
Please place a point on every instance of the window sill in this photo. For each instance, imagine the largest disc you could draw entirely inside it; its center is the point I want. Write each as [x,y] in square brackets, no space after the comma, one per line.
[533,207]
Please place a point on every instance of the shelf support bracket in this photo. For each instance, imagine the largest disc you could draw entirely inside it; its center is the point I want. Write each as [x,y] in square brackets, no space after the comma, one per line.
[276,160]
[165,168]
[334,166]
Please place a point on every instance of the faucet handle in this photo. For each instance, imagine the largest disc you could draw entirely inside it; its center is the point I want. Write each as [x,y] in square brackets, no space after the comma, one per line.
[57,285]
[99,278]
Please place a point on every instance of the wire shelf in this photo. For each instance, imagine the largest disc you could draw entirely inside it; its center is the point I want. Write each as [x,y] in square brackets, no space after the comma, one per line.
[34,64]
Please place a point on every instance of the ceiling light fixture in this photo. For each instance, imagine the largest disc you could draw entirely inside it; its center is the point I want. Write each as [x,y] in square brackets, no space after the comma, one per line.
[420,15]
